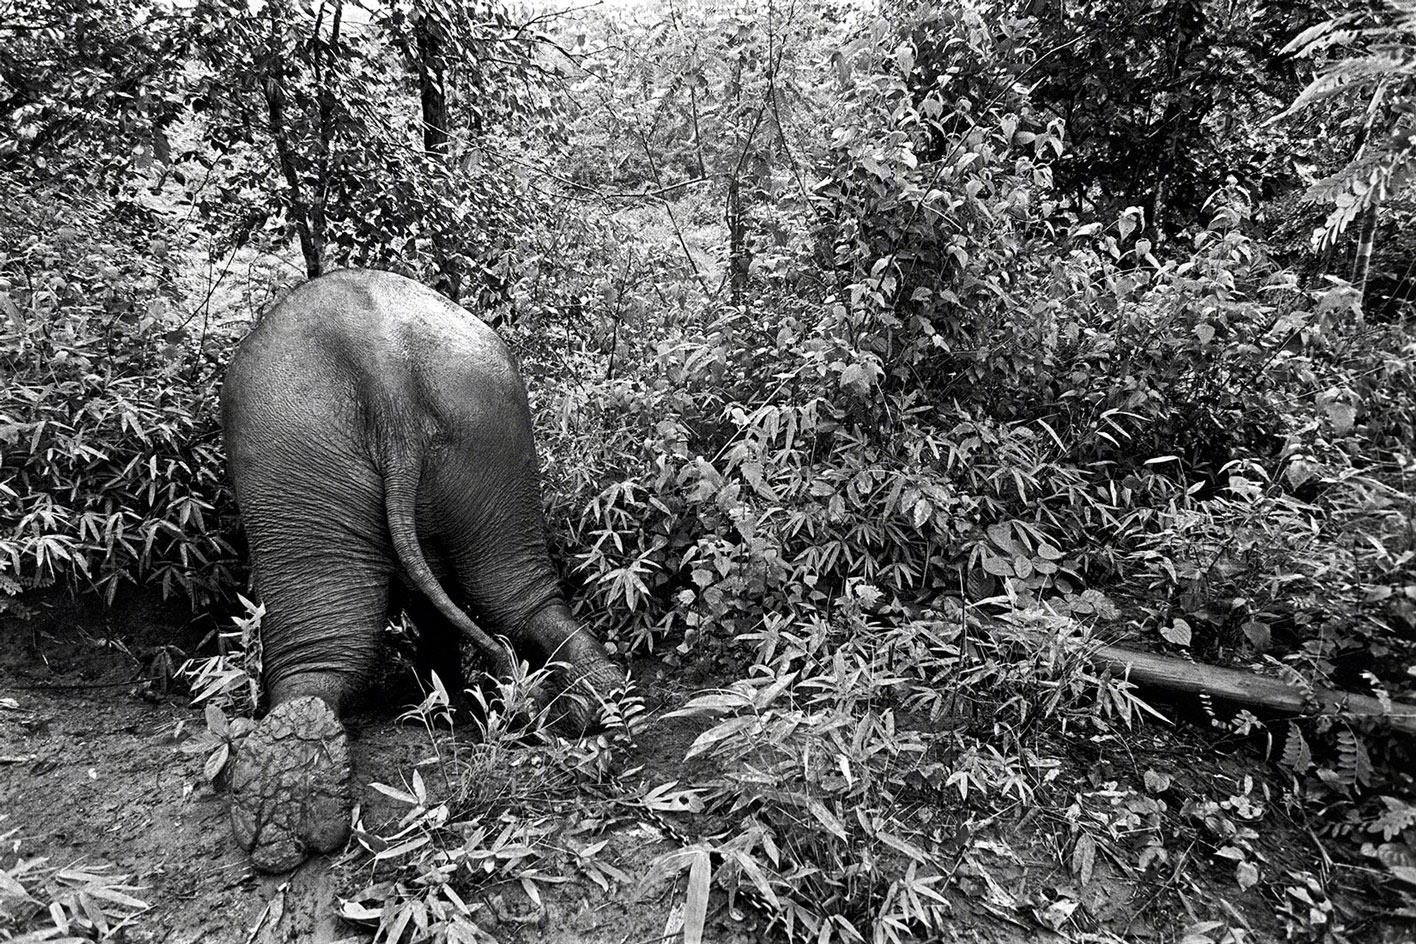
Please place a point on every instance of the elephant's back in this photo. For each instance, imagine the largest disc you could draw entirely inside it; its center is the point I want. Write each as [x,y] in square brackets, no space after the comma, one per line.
[379,316]
[369,337]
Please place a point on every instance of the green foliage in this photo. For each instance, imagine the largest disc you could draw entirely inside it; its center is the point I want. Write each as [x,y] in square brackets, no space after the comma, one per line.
[219,742]
[110,468]
[856,760]
[230,679]
[88,90]
[1376,79]
[986,401]
[1165,100]
[861,367]
[713,92]
[489,820]
[715,101]
[94,901]
[340,162]
[921,213]
[1097,407]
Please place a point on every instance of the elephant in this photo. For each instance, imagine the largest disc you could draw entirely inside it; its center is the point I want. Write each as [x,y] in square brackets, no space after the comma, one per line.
[379,444]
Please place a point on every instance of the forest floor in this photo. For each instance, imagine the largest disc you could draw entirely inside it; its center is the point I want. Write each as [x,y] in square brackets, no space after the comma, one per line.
[94,779]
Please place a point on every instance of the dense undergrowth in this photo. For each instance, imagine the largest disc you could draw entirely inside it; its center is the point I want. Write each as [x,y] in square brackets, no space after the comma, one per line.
[760,481]
[112,465]
[923,430]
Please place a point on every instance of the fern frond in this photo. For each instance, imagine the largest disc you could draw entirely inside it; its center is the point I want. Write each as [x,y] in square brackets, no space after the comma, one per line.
[1354,765]
[1371,179]
[1396,819]
[1297,756]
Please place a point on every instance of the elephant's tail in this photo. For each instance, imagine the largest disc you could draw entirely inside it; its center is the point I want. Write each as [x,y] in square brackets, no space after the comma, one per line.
[402,471]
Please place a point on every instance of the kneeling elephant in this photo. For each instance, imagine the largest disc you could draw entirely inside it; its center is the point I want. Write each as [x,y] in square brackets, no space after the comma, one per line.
[379,442]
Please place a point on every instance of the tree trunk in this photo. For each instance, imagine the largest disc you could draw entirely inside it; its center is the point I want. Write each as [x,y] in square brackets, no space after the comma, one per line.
[324,91]
[1187,23]
[1245,688]
[737,226]
[311,240]
[1362,262]
[432,93]
[432,97]
[700,165]
[738,262]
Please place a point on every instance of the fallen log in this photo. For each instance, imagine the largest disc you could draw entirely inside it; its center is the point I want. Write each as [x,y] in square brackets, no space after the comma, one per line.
[1170,674]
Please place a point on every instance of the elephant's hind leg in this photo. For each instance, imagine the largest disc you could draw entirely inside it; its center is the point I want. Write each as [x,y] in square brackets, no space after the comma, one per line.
[507,577]
[326,599]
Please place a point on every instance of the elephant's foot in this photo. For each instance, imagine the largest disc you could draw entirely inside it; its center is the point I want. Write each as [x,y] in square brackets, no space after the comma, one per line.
[290,785]
[574,695]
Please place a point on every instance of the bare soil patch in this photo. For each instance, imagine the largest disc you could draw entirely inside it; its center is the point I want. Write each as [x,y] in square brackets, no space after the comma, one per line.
[92,775]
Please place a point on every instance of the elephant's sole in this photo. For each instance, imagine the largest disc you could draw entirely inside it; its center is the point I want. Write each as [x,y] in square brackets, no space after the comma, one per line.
[290,785]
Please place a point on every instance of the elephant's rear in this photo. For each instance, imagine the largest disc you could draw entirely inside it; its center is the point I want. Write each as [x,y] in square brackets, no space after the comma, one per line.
[309,492]
[395,339]
[365,418]
[352,377]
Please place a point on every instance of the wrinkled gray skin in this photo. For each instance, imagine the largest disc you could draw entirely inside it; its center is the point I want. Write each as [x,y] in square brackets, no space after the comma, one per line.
[379,441]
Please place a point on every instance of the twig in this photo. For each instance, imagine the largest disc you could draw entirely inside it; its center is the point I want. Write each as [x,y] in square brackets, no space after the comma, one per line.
[619,309]
[552,15]
[673,220]
[1174,876]
[70,686]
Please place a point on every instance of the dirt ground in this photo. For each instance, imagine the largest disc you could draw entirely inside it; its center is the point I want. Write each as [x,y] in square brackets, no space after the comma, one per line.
[92,777]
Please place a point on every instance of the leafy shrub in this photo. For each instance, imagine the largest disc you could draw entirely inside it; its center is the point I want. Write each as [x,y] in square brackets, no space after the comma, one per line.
[847,775]
[987,400]
[230,679]
[943,425]
[109,455]
[1163,100]
[494,817]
